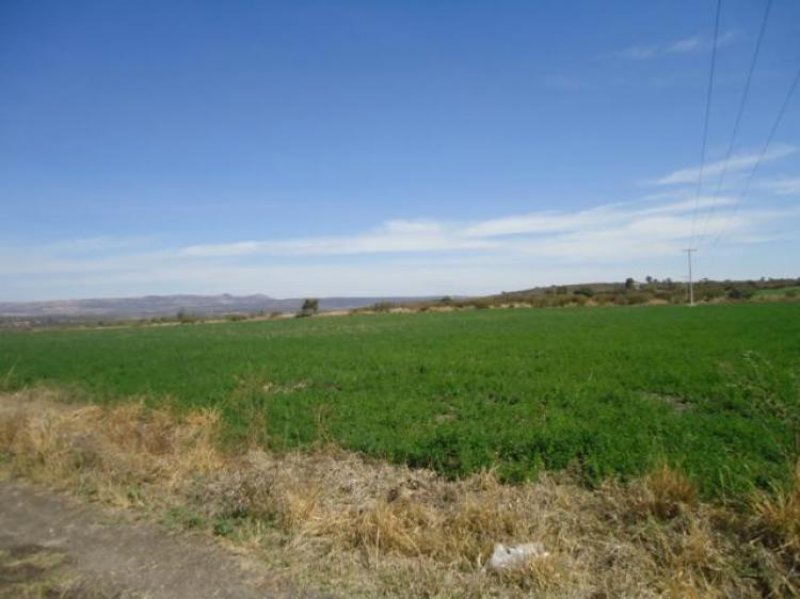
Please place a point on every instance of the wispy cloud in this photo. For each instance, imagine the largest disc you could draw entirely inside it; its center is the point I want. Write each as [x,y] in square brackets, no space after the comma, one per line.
[645,52]
[683,45]
[608,232]
[392,237]
[397,257]
[686,44]
[785,186]
[736,163]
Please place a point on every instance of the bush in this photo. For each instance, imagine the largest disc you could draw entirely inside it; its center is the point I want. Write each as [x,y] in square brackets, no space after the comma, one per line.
[184,317]
[310,307]
[561,300]
[741,293]
[383,306]
[579,300]
[604,299]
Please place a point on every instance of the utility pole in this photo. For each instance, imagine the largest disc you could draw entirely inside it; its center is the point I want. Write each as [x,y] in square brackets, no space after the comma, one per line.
[691,283]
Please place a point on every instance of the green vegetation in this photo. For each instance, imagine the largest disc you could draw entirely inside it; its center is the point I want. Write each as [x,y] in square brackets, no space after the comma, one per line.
[309,308]
[781,291]
[629,293]
[605,392]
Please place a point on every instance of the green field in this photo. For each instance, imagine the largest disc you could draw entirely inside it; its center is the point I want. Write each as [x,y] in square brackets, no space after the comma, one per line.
[602,391]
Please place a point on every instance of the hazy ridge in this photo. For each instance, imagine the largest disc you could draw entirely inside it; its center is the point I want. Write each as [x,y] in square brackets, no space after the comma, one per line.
[169,305]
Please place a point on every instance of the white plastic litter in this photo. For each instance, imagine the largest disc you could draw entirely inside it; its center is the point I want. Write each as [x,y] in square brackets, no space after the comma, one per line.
[513,556]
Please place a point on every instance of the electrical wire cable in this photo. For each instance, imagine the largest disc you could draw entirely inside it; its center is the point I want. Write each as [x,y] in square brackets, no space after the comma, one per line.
[705,121]
[742,103]
[764,149]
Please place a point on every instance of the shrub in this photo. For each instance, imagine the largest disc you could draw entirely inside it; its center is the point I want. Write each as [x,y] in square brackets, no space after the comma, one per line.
[562,300]
[740,293]
[580,300]
[638,298]
[185,318]
[606,298]
[310,307]
[383,306]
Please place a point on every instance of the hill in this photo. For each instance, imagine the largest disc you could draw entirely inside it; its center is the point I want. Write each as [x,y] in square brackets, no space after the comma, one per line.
[154,306]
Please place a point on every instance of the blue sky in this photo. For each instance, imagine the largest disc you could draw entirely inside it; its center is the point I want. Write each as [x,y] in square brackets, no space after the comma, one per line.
[397,148]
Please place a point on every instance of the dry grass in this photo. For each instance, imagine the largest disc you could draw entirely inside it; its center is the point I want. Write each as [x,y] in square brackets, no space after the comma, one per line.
[28,571]
[667,493]
[777,518]
[105,451]
[365,528]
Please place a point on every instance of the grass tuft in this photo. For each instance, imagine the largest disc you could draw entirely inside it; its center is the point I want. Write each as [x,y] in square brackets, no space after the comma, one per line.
[669,492]
[777,516]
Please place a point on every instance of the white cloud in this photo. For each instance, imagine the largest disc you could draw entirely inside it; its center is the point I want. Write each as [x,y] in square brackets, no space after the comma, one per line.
[542,223]
[621,232]
[684,45]
[736,163]
[411,257]
[391,237]
[785,186]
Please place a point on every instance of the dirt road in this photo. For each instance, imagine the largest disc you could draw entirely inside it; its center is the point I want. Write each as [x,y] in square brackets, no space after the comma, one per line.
[52,546]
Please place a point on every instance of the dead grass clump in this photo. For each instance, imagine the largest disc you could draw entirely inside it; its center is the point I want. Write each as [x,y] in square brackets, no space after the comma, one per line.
[549,574]
[777,517]
[699,563]
[240,492]
[391,527]
[451,523]
[99,449]
[665,493]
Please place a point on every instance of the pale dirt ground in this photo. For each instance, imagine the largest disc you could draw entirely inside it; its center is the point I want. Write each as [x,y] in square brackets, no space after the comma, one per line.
[53,546]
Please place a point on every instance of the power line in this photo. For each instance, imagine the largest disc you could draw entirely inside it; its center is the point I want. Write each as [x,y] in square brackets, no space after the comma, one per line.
[742,103]
[706,119]
[689,252]
[764,149]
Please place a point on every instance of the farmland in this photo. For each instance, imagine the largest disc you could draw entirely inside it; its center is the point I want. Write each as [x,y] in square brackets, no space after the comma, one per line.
[602,392]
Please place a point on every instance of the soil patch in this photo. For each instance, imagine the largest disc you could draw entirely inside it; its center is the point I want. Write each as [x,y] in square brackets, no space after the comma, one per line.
[52,546]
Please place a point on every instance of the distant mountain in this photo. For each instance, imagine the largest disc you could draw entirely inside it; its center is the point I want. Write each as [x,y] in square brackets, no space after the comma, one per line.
[169,305]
